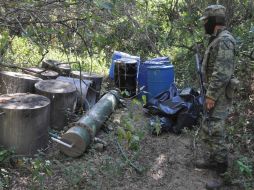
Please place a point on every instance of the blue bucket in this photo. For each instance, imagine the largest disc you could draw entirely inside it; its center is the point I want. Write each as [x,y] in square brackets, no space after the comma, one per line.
[142,74]
[118,55]
[159,79]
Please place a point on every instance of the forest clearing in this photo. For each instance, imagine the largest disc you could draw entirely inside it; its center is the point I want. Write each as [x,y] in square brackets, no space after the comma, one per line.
[106,94]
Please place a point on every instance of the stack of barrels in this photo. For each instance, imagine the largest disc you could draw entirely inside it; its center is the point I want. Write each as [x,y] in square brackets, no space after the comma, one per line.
[149,78]
[36,100]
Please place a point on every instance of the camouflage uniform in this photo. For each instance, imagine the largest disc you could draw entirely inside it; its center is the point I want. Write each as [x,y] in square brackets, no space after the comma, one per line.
[217,69]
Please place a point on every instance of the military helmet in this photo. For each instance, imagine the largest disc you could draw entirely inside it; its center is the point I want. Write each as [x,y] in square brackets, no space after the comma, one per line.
[214,10]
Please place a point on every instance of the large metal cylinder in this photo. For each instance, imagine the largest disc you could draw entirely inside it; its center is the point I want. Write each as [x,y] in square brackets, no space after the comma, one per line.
[63,99]
[13,82]
[24,122]
[80,136]
[96,81]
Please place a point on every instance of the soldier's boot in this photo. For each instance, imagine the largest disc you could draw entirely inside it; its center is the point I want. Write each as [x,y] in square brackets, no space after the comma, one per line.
[214,185]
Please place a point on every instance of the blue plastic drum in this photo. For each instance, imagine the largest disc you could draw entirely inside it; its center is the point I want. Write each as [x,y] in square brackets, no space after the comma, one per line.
[142,74]
[159,79]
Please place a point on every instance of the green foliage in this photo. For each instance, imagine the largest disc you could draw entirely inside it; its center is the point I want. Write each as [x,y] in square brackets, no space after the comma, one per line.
[125,93]
[89,31]
[130,130]
[73,174]
[3,154]
[40,170]
[144,99]
[156,126]
[129,133]
[22,51]
[244,167]
[4,178]
[4,174]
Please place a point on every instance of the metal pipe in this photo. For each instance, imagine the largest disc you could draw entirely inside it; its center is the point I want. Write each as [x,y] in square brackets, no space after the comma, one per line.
[83,133]
[61,142]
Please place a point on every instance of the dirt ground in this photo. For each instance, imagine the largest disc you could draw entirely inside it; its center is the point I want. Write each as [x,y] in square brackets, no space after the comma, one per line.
[166,162]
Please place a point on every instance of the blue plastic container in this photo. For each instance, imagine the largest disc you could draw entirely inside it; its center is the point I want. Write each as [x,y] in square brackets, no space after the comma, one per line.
[118,55]
[142,73]
[159,79]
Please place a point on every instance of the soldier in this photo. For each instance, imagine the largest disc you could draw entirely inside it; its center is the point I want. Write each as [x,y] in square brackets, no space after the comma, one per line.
[217,71]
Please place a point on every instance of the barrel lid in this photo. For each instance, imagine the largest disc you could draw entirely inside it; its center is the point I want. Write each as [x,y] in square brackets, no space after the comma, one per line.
[52,62]
[167,59]
[125,55]
[160,67]
[44,73]
[35,69]
[49,73]
[22,101]
[86,74]
[55,86]
[20,75]
[154,63]
[126,61]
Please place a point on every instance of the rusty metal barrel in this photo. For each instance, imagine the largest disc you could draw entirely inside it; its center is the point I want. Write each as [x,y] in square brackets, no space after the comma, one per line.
[63,99]
[24,122]
[13,82]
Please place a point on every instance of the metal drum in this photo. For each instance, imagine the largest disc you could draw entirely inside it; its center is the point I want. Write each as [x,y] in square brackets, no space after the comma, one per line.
[13,82]
[63,97]
[24,122]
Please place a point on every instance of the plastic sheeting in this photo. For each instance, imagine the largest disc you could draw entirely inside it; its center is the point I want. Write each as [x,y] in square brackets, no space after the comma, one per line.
[175,108]
[88,95]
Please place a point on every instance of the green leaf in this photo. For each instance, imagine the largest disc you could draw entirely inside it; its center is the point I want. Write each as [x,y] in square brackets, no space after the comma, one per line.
[121,133]
[128,137]
[144,99]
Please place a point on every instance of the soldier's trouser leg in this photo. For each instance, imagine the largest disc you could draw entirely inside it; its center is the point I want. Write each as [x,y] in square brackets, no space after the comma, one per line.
[214,143]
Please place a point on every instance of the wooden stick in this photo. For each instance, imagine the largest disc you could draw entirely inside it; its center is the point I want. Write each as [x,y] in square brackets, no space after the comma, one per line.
[21,68]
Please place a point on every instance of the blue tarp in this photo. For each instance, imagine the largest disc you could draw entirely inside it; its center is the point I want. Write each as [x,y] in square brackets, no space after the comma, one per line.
[176,108]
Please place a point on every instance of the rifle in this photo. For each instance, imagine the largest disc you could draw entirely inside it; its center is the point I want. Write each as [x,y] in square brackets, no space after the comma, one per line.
[202,88]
